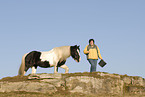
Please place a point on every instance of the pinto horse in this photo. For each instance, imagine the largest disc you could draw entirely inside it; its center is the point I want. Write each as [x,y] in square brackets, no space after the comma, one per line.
[53,58]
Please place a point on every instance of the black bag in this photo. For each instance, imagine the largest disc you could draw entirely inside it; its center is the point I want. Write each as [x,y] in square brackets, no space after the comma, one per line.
[102,63]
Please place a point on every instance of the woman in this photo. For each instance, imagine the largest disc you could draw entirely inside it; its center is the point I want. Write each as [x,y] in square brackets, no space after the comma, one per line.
[92,51]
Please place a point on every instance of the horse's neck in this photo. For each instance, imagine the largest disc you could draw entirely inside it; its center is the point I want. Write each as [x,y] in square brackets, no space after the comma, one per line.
[64,52]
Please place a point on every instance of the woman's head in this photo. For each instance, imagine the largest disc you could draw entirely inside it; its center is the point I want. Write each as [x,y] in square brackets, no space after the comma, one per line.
[91,41]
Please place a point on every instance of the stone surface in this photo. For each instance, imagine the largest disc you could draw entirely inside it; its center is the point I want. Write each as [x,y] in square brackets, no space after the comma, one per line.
[45,76]
[85,83]
[27,86]
[94,85]
[144,83]
[133,80]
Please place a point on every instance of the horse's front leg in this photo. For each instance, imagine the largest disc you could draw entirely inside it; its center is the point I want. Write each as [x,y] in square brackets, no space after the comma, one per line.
[55,69]
[65,67]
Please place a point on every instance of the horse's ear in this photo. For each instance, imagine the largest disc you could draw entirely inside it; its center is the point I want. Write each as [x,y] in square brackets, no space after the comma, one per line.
[78,47]
[75,46]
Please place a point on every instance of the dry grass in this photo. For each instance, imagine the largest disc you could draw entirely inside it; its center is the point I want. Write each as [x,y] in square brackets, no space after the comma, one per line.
[62,94]
[26,94]
[17,79]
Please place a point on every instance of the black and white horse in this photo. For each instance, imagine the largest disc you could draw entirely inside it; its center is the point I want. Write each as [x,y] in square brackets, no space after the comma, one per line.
[53,58]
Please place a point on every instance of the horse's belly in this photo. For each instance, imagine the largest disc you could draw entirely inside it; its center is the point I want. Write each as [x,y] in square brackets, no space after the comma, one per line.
[44,64]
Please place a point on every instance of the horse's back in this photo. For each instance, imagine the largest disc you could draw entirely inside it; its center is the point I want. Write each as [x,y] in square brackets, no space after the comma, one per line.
[47,55]
[62,51]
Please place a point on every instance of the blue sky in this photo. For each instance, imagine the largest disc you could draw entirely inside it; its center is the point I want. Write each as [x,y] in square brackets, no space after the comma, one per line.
[118,27]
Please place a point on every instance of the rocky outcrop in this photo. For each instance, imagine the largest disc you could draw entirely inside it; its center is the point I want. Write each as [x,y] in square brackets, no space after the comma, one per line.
[104,83]
[85,83]
[27,86]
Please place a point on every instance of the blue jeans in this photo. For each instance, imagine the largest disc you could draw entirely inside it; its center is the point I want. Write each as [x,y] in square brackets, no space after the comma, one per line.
[93,63]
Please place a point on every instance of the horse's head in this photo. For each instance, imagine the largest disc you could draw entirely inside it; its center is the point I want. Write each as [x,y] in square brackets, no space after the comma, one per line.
[75,53]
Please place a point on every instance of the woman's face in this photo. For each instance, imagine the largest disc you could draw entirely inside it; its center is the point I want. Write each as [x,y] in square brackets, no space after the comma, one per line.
[91,43]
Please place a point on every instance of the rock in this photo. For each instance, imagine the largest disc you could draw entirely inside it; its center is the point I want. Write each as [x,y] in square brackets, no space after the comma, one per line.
[53,79]
[27,86]
[144,82]
[133,80]
[96,83]
[45,76]
[135,89]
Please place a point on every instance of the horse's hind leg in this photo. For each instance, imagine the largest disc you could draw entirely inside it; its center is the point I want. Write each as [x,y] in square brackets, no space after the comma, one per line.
[33,70]
[65,67]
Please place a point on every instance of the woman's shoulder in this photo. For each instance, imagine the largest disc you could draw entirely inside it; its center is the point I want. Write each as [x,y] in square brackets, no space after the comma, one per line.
[87,45]
[95,45]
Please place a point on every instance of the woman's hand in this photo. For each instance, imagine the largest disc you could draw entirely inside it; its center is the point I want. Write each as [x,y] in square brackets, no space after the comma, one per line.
[88,52]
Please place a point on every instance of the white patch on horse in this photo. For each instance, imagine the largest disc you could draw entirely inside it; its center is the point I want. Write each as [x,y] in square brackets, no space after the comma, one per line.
[79,55]
[48,56]
[78,52]
[33,70]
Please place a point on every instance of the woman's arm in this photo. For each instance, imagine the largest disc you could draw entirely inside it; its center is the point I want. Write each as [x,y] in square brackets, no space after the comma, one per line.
[85,50]
[99,55]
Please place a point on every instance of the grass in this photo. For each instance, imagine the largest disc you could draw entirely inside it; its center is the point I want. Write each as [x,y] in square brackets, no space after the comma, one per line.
[17,79]
[90,74]
[62,94]
[31,94]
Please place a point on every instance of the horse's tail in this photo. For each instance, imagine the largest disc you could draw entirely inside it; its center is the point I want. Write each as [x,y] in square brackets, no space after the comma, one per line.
[21,71]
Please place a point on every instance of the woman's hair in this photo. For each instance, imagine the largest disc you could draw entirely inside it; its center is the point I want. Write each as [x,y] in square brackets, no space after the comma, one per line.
[91,40]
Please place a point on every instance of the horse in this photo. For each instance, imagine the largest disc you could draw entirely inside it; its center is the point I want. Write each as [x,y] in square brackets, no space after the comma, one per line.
[53,58]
